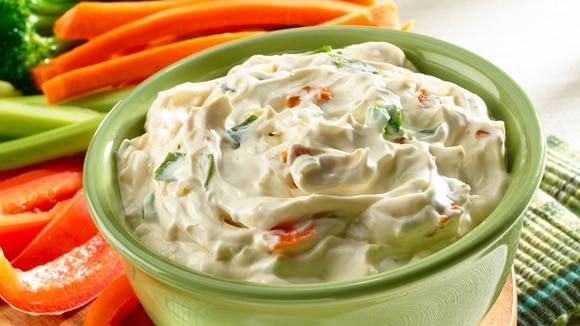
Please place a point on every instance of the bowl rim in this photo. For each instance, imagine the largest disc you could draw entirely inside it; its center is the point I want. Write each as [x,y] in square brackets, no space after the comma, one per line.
[190,280]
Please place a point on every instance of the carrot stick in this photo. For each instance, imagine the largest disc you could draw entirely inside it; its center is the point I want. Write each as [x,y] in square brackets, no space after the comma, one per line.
[363,2]
[89,19]
[40,194]
[133,67]
[113,305]
[384,14]
[196,19]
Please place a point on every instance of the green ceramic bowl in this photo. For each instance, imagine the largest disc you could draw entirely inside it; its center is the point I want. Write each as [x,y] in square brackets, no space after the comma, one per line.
[455,286]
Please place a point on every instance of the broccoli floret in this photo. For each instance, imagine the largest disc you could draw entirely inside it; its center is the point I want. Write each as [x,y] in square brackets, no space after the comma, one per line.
[22,47]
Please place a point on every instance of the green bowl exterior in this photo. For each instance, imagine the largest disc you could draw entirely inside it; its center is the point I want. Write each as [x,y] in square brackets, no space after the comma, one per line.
[455,286]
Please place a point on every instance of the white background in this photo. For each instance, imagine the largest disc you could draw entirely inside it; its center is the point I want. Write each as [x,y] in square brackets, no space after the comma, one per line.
[537,42]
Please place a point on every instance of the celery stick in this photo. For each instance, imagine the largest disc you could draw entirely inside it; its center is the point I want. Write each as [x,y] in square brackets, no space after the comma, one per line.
[20,119]
[6,89]
[103,101]
[28,99]
[67,140]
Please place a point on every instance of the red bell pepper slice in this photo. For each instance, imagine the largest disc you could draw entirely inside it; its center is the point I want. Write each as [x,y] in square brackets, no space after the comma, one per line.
[113,305]
[288,236]
[65,283]
[40,194]
[67,163]
[18,230]
[68,229]
[137,317]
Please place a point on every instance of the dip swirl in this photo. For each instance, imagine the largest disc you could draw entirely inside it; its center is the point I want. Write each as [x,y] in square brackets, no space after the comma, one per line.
[312,167]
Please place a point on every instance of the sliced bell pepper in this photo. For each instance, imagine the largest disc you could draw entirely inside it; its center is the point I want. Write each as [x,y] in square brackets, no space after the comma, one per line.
[20,176]
[18,230]
[69,228]
[138,317]
[289,236]
[40,194]
[113,305]
[65,283]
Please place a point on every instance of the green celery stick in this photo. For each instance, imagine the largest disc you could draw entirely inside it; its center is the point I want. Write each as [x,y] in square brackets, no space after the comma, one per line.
[103,101]
[63,141]
[20,119]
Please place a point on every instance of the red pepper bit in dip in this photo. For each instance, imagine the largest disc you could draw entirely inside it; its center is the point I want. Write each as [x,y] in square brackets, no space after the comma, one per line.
[288,237]
[293,101]
[456,207]
[284,156]
[422,97]
[481,133]
[324,95]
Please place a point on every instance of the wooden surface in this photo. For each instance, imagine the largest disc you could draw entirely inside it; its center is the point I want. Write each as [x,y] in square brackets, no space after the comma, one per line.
[504,312]
[505,309]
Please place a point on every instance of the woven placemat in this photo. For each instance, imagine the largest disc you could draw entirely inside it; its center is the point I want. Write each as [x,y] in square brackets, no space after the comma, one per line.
[548,259]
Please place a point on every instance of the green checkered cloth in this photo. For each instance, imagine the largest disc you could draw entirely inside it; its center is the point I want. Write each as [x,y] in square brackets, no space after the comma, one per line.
[548,259]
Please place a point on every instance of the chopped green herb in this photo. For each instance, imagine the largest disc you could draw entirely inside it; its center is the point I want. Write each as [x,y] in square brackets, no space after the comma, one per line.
[244,123]
[323,49]
[343,61]
[148,212]
[233,132]
[235,138]
[210,169]
[226,88]
[163,172]
[429,131]
[393,126]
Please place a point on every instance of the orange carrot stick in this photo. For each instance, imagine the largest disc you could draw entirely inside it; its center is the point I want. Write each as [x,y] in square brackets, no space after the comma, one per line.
[89,19]
[113,305]
[126,69]
[197,19]
[384,14]
[363,2]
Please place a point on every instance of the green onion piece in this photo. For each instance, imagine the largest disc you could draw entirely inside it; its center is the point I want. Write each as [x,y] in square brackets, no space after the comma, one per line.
[210,169]
[161,173]
[233,132]
[148,212]
[244,123]
[342,61]
[393,127]
[430,131]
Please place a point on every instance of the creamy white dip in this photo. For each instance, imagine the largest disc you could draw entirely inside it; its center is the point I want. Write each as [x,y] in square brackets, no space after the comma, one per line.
[296,167]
